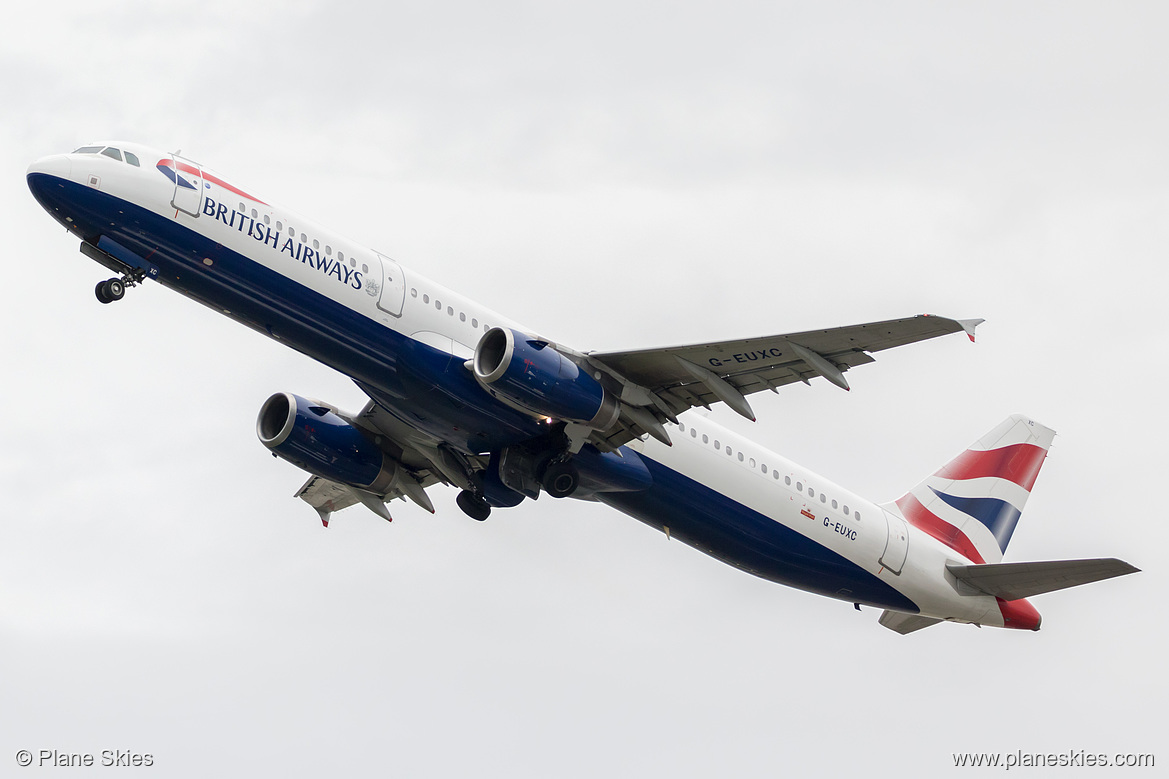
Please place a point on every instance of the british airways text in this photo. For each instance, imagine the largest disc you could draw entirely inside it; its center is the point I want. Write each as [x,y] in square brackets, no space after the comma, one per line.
[296,250]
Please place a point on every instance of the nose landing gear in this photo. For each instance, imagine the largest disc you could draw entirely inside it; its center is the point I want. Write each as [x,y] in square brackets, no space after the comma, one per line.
[110,290]
[115,289]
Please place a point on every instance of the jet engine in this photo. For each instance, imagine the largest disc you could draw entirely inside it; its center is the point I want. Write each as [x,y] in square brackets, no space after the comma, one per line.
[530,374]
[315,438]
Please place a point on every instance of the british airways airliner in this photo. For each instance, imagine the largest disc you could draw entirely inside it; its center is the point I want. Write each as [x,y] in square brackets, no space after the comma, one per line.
[461,395]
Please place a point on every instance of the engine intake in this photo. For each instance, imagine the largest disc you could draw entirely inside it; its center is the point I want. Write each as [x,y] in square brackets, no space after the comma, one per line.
[530,374]
[316,439]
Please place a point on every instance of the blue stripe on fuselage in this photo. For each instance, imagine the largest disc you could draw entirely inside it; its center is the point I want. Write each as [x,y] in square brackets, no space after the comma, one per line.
[424,386]
[737,535]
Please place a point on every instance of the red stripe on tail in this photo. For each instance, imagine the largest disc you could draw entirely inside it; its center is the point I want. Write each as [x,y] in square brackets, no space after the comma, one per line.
[924,519]
[1019,463]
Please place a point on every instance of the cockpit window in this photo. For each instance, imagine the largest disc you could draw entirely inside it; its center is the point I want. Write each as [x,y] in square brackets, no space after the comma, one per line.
[112,153]
[132,159]
[88,150]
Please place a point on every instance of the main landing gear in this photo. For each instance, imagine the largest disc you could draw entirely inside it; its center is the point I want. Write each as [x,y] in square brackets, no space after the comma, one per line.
[474,506]
[560,478]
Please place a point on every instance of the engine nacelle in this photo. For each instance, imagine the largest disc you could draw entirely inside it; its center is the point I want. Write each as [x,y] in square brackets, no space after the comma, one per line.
[314,438]
[530,374]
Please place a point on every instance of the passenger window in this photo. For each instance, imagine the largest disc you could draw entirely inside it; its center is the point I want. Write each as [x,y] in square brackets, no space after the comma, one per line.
[775,475]
[716,444]
[800,486]
[764,467]
[705,438]
[811,492]
[303,238]
[693,433]
[254,214]
[682,427]
[846,511]
[438,304]
[728,451]
[112,153]
[328,250]
[475,323]
[364,268]
[267,219]
[753,463]
[279,226]
[823,498]
[462,317]
[132,159]
[857,516]
[316,244]
[786,480]
[413,293]
[425,298]
[834,503]
[242,207]
[450,311]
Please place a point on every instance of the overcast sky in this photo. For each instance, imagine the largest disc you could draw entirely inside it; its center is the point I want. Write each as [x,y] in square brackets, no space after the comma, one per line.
[614,175]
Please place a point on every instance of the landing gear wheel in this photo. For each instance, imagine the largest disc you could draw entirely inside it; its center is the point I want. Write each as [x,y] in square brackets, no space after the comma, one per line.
[115,289]
[560,479]
[473,505]
[110,290]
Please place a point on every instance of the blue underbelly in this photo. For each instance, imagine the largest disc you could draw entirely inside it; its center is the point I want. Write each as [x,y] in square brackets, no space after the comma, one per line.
[729,531]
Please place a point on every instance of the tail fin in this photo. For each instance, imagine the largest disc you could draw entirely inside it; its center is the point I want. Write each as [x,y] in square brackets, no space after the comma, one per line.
[973,503]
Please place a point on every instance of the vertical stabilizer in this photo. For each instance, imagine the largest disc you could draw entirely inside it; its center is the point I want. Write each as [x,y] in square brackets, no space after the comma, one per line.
[973,503]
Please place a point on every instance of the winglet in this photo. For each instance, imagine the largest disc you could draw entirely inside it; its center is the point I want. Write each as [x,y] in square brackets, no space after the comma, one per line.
[968,325]
[324,515]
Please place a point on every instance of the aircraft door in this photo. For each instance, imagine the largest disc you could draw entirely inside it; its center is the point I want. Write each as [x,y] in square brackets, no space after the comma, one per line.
[393,286]
[188,196]
[896,543]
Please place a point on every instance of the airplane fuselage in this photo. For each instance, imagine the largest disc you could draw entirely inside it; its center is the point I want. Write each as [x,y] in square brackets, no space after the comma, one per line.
[405,340]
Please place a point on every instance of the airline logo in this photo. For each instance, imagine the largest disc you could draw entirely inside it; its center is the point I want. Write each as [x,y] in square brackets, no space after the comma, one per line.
[174,171]
[973,503]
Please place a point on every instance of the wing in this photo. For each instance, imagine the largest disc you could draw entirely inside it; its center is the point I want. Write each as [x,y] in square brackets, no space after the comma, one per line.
[415,470]
[325,496]
[659,384]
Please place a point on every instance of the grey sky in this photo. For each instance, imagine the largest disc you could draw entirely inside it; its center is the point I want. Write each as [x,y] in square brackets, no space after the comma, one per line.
[616,175]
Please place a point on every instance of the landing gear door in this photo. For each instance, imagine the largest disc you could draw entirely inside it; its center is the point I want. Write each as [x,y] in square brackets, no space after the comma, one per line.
[188,177]
[896,544]
[393,286]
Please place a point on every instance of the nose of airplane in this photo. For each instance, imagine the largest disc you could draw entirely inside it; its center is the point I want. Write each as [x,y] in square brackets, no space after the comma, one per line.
[44,180]
[54,165]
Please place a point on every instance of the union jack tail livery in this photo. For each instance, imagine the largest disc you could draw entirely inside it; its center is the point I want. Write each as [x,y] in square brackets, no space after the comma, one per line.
[973,503]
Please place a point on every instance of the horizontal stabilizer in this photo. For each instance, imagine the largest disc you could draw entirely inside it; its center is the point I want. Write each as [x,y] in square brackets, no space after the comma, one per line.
[1012,581]
[906,623]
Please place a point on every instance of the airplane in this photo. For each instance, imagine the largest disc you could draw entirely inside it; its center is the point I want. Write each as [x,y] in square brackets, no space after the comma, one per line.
[463,396]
